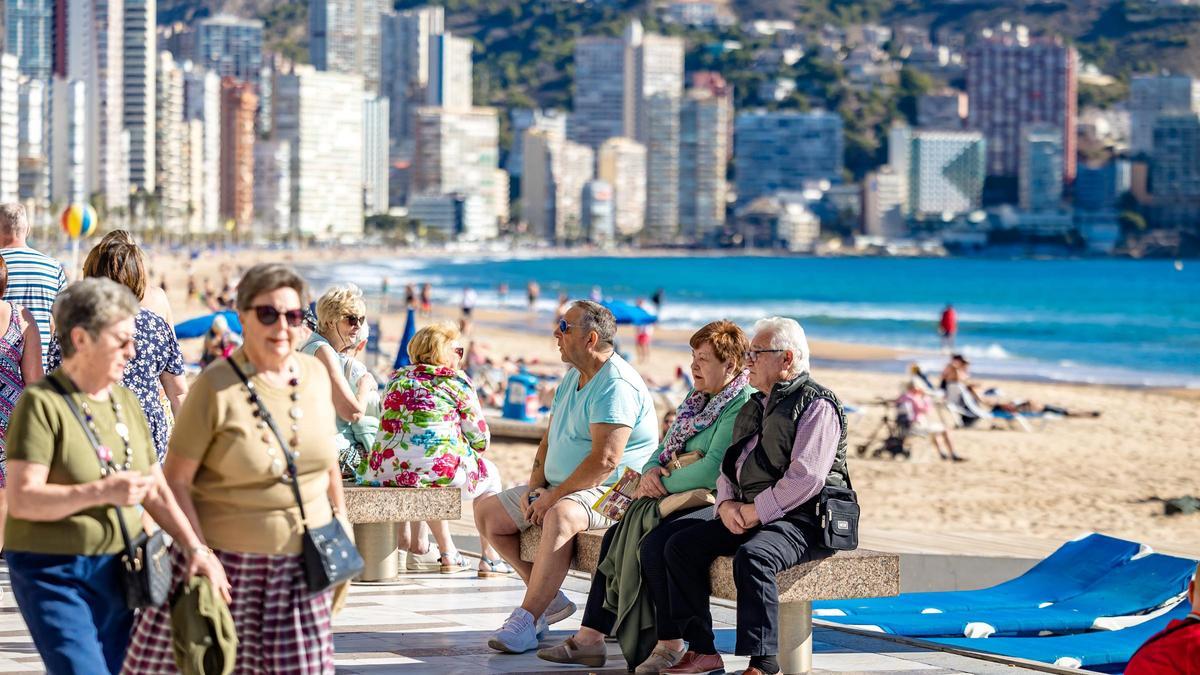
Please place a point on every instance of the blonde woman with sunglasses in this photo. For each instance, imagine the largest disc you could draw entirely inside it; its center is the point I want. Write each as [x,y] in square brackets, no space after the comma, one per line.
[432,433]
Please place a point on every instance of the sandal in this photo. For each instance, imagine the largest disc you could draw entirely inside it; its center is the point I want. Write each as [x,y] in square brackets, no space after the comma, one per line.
[495,568]
[452,565]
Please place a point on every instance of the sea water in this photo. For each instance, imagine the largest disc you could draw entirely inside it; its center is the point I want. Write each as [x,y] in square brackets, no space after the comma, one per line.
[1130,322]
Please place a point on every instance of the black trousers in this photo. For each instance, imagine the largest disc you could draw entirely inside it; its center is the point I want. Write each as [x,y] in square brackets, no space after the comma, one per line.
[758,555]
[654,573]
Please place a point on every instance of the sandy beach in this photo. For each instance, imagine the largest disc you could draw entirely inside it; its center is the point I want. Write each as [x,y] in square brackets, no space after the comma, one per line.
[1064,478]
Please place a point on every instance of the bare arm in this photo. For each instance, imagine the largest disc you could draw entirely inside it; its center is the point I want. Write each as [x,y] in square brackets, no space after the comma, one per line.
[179,473]
[31,357]
[177,508]
[537,476]
[30,497]
[608,444]
[337,493]
[346,403]
[176,388]
[165,510]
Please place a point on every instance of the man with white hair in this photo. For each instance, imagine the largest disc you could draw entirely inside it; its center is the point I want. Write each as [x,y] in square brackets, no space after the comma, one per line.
[1176,649]
[789,443]
[34,278]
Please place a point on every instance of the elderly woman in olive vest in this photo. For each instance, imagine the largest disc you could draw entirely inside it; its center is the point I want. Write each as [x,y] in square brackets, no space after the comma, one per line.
[789,442]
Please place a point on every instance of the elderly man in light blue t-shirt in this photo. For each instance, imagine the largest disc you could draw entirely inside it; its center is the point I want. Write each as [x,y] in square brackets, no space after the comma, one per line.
[602,421]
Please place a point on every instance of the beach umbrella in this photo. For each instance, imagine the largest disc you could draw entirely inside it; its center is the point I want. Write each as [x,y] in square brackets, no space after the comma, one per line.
[626,313]
[199,326]
[410,329]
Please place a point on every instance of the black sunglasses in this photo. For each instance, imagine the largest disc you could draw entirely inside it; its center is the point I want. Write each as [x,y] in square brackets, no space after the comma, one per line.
[268,315]
[355,321]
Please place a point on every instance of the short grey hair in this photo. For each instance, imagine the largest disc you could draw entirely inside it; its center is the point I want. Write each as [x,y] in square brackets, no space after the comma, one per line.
[267,277]
[786,334]
[13,221]
[596,317]
[92,304]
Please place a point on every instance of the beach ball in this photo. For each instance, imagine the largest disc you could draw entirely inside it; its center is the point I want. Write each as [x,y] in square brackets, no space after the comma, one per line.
[78,220]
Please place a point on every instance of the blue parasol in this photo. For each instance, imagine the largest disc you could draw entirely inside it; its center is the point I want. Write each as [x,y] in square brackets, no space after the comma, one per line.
[200,325]
[410,328]
[626,313]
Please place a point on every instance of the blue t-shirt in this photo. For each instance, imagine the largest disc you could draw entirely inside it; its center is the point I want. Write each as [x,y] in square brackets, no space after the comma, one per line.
[616,395]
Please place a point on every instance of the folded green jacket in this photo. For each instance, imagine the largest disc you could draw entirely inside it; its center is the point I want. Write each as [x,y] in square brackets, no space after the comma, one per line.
[202,631]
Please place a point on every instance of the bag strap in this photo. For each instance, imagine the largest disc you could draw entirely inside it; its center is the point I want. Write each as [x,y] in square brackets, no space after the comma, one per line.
[87,431]
[265,415]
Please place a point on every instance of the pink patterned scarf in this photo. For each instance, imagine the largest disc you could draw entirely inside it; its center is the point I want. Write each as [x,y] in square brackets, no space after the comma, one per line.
[697,412]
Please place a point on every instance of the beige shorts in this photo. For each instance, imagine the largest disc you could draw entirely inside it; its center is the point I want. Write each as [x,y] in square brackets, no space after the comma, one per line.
[514,498]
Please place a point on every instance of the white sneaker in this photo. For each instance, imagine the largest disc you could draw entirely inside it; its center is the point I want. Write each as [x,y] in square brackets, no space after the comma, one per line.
[518,634]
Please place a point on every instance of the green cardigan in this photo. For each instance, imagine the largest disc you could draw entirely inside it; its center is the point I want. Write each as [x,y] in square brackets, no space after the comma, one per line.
[713,442]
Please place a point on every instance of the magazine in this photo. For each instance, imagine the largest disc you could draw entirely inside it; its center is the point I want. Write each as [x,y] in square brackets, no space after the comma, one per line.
[619,496]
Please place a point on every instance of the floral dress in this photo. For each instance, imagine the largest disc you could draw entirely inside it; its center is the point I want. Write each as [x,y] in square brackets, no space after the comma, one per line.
[157,352]
[12,381]
[430,435]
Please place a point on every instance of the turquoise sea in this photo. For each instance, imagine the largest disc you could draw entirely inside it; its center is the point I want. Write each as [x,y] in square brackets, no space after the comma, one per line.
[1106,321]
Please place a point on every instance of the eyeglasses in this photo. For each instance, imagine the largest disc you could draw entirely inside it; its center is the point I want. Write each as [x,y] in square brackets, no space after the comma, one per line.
[355,321]
[563,326]
[752,355]
[268,315]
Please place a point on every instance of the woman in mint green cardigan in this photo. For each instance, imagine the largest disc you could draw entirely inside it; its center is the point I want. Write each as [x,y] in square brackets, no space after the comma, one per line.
[632,602]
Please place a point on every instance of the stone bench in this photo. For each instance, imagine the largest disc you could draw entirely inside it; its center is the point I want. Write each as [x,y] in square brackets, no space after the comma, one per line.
[375,512]
[502,427]
[845,575]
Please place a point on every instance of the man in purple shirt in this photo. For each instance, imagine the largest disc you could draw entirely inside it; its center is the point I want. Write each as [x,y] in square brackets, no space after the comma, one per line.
[789,443]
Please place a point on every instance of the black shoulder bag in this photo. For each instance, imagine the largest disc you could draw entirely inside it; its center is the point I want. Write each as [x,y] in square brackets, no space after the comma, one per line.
[147,577]
[329,556]
[837,513]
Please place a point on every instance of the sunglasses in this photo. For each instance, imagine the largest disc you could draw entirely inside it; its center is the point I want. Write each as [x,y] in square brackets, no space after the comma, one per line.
[268,315]
[355,321]
[563,326]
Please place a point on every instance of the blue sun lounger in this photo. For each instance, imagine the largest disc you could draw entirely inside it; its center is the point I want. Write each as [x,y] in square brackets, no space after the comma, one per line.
[1139,586]
[1067,572]
[1105,650]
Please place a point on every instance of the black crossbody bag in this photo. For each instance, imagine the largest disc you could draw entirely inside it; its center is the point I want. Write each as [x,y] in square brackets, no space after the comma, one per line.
[837,515]
[147,566]
[329,556]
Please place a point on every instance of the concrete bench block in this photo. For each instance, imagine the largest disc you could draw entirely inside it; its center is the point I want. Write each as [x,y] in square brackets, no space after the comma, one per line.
[389,505]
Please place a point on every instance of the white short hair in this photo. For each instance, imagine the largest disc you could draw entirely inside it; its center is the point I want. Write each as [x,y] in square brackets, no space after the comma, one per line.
[786,334]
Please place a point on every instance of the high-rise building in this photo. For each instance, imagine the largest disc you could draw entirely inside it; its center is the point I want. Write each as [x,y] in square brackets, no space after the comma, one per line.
[68,141]
[884,199]
[657,78]
[704,123]
[231,46]
[89,48]
[375,154]
[522,119]
[171,146]
[782,150]
[712,81]
[600,90]
[238,103]
[202,105]
[140,66]
[449,72]
[552,182]
[405,39]
[457,152]
[1175,171]
[1041,169]
[1099,187]
[1154,95]
[622,164]
[343,37]
[273,187]
[946,109]
[598,213]
[320,113]
[32,154]
[1014,81]
[501,189]
[10,128]
[943,171]
[29,33]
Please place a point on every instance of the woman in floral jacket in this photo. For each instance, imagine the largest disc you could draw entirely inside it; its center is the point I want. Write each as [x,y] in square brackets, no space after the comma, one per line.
[431,434]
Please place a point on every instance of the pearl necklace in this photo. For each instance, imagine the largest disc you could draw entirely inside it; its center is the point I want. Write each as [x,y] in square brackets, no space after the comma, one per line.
[103,452]
[295,412]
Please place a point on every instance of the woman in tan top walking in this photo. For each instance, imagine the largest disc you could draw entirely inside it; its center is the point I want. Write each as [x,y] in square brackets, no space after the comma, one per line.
[227,470]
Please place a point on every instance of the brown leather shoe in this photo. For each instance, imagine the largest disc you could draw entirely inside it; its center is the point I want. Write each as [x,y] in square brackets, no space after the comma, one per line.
[697,664]
[750,671]
[593,656]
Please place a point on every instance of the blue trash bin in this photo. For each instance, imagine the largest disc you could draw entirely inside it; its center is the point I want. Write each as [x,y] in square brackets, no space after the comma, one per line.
[520,398]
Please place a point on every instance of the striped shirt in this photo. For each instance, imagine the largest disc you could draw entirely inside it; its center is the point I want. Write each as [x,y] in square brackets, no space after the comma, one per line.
[813,452]
[34,281]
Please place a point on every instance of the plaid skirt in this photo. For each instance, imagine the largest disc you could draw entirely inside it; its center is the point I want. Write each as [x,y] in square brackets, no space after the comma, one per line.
[282,628]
